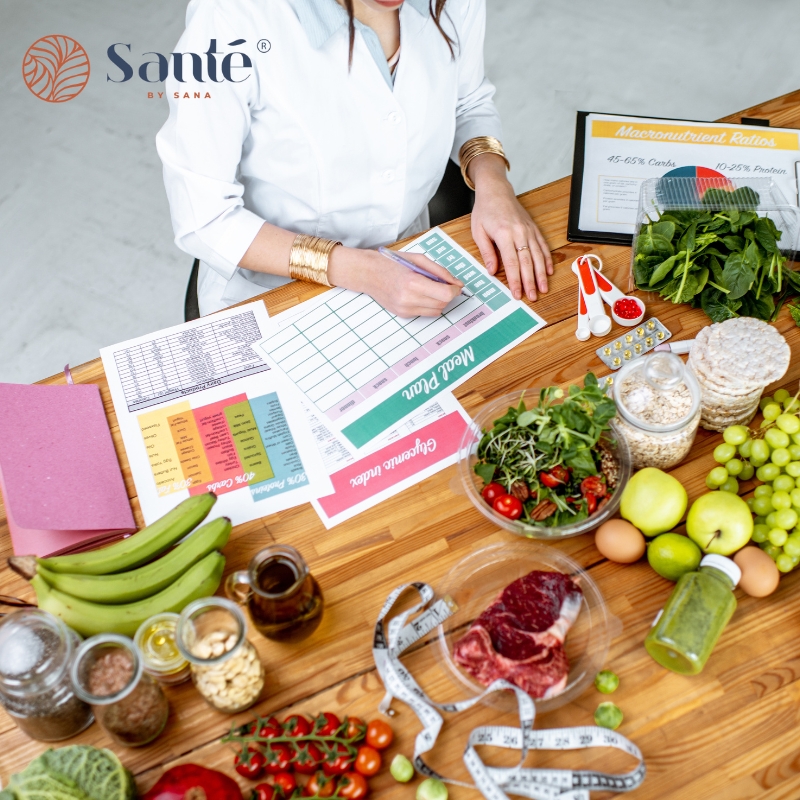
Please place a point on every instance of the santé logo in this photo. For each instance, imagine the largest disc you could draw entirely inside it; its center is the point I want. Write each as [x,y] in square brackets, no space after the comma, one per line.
[56,68]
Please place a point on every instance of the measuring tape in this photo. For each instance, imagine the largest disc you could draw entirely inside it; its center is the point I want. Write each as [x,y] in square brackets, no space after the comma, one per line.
[494,783]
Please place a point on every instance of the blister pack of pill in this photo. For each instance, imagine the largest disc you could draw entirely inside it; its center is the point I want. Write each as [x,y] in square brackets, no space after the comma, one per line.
[634,343]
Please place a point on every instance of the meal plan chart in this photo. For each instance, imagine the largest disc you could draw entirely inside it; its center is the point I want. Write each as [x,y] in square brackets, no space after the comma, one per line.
[364,370]
[200,411]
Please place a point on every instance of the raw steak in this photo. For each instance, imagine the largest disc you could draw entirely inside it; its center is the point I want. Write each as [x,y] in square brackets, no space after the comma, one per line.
[520,636]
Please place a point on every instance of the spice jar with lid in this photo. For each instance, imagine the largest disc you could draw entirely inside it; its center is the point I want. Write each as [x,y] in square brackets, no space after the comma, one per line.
[155,641]
[36,651]
[128,703]
[226,669]
[658,405]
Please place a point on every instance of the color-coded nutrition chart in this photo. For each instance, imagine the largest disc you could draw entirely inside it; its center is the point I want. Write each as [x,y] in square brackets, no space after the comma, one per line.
[348,348]
[235,443]
[190,360]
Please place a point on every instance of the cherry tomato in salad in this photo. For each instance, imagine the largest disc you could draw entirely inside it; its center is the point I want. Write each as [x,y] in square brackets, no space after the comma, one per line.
[353,786]
[368,760]
[591,503]
[264,792]
[250,764]
[379,734]
[278,758]
[491,492]
[286,782]
[307,758]
[320,785]
[296,726]
[356,729]
[326,724]
[594,485]
[508,506]
[557,476]
[338,761]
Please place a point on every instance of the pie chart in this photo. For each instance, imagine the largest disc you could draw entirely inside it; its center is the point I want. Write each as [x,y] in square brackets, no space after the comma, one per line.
[687,185]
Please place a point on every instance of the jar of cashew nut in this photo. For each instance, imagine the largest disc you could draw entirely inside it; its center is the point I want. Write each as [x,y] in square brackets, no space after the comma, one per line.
[212,636]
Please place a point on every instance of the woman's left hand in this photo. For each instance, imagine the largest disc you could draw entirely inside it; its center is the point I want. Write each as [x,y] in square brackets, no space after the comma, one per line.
[500,223]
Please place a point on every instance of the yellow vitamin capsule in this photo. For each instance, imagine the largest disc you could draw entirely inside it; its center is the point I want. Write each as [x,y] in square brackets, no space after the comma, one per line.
[628,338]
[637,347]
[610,380]
[650,325]
[640,332]
[660,335]
[616,361]
[618,345]
[607,351]
[649,341]
[626,354]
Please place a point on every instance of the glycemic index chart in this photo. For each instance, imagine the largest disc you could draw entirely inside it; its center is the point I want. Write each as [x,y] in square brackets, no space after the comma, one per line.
[350,357]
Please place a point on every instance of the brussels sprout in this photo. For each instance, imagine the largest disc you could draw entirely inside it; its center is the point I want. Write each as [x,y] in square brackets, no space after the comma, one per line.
[606,681]
[608,715]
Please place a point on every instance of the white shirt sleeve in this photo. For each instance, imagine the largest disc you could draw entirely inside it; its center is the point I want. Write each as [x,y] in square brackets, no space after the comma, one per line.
[201,143]
[476,114]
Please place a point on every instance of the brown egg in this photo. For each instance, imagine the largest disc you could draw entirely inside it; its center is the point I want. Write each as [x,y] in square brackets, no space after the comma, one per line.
[760,576]
[620,541]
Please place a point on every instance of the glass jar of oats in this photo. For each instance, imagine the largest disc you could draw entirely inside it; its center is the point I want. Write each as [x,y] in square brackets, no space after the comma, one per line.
[658,406]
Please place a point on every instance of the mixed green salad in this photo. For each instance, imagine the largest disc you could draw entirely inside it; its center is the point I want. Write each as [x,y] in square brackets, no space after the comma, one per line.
[550,464]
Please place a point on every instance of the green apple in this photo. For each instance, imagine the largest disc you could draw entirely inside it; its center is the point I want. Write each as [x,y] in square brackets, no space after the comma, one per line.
[672,554]
[653,501]
[720,522]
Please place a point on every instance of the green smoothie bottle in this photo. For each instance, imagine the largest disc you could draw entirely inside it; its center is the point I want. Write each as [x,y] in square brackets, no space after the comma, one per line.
[687,628]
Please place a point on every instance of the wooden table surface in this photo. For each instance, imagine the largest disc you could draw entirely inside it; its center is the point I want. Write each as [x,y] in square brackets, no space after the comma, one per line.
[730,733]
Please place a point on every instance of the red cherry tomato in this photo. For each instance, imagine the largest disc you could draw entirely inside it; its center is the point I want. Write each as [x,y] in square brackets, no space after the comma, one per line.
[320,785]
[264,792]
[560,473]
[338,761]
[508,506]
[353,786]
[278,758]
[307,758]
[250,763]
[326,724]
[356,729]
[591,503]
[491,492]
[296,726]
[270,729]
[286,782]
[594,485]
[379,734]
[368,760]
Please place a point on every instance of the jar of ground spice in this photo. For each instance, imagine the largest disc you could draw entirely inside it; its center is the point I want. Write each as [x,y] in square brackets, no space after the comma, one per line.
[128,703]
[36,650]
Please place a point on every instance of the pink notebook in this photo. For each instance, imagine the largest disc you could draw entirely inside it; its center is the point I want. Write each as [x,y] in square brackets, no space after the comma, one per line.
[61,482]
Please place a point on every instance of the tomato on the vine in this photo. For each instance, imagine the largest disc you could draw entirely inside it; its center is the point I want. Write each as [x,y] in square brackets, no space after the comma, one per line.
[594,485]
[264,792]
[356,729]
[250,763]
[287,783]
[491,492]
[353,786]
[326,724]
[320,785]
[368,760]
[379,734]
[338,761]
[270,728]
[307,758]
[296,726]
[508,506]
[278,757]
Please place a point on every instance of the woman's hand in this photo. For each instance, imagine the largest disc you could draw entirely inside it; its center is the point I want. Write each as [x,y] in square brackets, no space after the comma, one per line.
[499,221]
[395,287]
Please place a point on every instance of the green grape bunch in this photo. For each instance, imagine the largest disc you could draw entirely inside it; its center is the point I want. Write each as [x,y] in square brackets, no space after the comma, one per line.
[772,455]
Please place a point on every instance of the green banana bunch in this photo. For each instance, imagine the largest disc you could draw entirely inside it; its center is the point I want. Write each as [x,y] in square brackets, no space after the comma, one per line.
[88,619]
[139,548]
[125,587]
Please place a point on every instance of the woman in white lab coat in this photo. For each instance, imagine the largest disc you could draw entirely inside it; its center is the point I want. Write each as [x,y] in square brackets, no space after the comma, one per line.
[339,132]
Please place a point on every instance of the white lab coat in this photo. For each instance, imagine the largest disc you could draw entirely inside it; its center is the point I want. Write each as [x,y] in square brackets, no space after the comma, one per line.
[309,145]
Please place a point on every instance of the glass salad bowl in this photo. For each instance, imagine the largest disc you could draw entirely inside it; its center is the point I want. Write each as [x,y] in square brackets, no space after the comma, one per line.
[479,578]
[613,442]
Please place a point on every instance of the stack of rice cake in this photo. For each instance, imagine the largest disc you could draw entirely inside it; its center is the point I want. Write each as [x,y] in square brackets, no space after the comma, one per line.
[734,361]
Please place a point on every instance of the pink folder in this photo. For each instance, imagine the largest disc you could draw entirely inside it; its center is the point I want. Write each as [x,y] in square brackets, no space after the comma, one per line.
[61,482]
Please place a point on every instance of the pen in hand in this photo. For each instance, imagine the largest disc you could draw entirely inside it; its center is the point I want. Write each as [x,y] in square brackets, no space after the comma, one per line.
[398,259]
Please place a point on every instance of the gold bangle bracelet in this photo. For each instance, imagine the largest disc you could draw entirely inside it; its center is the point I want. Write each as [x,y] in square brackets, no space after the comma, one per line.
[477,147]
[308,259]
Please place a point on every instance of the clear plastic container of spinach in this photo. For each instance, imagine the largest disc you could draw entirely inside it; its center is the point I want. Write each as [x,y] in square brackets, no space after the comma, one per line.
[728,246]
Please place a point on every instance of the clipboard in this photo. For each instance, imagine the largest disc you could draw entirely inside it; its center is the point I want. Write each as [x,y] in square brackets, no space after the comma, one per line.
[784,160]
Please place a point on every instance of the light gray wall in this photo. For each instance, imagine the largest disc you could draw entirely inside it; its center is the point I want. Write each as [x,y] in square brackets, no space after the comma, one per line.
[86,251]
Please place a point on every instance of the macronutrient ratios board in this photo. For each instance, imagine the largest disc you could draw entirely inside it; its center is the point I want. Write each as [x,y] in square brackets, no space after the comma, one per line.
[365,369]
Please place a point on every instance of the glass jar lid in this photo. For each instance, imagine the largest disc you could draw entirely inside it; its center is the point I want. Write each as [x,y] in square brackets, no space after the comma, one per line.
[657,392]
[35,650]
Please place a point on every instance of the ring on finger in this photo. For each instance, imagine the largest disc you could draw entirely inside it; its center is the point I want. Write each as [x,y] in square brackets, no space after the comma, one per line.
[524,247]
